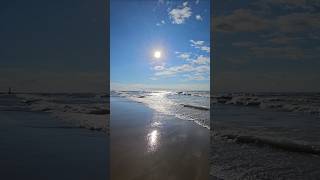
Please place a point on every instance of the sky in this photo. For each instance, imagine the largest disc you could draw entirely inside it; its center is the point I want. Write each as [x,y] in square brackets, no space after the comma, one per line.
[61,46]
[267,45]
[178,30]
[53,46]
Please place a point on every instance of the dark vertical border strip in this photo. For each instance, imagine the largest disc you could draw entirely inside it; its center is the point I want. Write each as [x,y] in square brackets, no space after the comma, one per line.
[212,47]
[107,16]
[107,37]
[212,51]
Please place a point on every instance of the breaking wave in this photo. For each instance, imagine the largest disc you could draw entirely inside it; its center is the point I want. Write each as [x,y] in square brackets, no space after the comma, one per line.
[88,111]
[290,102]
[192,106]
[286,145]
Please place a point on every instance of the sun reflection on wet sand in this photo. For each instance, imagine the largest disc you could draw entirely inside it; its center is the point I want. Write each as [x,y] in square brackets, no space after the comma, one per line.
[153,139]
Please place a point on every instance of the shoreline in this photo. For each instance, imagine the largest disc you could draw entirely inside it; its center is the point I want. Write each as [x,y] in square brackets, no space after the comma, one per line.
[189,107]
[146,144]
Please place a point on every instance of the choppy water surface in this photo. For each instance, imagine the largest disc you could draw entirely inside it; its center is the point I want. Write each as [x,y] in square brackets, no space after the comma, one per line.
[286,117]
[266,136]
[87,110]
[193,105]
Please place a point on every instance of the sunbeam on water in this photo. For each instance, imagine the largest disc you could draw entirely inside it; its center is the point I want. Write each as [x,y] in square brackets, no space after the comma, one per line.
[153,139]
[193,106]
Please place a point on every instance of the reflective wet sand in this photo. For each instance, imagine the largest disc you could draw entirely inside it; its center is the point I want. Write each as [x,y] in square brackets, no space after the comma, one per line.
[149,145]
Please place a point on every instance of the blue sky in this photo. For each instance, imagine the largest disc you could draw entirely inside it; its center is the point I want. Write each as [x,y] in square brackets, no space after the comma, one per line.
[180,30]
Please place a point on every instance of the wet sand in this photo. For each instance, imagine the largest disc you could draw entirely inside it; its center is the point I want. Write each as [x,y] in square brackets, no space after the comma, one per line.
[34,145]
[146,145]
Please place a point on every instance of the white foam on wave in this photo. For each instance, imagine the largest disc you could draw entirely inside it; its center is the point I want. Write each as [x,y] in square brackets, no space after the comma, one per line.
[92,116]
[159,101]
[306,103]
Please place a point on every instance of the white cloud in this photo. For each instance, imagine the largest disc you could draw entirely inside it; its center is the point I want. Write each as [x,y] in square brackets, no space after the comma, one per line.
[172,71]
[181,69]
[200,45]
[205,48]
[202,60]
[198,17]
[195,77]
[196,43]
[162,22]
[158,68]
[194,58]
[184,56]
[196,67]
[202,69]
[180,14]
[185,3]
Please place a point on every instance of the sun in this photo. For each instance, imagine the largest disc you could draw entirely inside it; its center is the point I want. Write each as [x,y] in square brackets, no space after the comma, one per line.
[157,54]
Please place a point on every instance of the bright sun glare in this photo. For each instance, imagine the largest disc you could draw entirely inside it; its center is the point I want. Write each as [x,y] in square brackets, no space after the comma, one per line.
[157,54]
